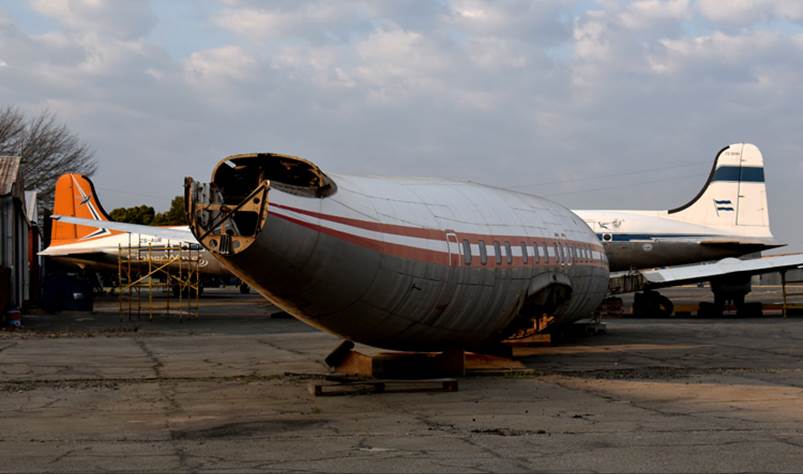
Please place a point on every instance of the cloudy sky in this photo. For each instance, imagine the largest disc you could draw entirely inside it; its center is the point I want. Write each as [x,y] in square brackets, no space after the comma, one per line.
[595,104]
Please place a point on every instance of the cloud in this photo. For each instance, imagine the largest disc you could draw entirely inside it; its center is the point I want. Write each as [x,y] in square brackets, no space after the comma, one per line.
[748,12]
[642,14]
[110,18]
[317,20]
[219,65]
[500,92]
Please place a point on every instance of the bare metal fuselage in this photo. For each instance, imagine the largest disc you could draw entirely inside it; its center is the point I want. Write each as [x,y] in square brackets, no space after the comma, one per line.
[636,254]
[406,264]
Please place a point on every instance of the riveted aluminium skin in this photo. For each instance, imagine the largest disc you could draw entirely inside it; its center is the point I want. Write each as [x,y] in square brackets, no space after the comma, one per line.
[382,261]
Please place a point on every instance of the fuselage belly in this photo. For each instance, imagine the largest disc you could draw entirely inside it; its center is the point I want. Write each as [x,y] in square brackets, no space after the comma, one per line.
[399,264]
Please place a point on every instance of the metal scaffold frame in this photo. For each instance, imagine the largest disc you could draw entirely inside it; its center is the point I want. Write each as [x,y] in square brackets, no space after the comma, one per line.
[171,268]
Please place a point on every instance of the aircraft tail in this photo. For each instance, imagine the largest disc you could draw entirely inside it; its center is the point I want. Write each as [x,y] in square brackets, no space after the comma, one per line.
[75,197]
[735,195]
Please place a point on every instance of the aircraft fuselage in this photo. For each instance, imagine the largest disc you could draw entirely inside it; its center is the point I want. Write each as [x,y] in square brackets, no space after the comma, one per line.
[650,239]
[409,264]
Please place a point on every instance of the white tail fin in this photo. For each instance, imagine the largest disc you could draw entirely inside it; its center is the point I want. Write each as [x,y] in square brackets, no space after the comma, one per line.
[735,194]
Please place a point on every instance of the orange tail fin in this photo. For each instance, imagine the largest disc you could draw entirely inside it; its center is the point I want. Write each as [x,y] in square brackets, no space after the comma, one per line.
[76,197]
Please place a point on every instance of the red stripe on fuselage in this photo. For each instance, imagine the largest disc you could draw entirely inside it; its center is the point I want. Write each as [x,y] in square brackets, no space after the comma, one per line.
[402,251]
[435,256]
[406,231]
[433,234]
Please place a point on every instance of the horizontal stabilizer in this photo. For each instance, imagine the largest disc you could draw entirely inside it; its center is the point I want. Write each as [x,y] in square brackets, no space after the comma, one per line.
[67,251]
[166,233]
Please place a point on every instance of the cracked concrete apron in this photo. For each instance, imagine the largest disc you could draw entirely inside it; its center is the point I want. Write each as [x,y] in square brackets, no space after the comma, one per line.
[653,396]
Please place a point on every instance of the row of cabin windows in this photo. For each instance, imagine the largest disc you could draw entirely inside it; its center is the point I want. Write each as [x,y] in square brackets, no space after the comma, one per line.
[504,252]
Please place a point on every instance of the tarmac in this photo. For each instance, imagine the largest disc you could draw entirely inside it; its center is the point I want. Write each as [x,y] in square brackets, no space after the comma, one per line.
[227,392]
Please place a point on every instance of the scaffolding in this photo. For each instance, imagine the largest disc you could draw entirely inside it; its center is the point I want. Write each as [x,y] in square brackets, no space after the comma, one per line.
[170,270]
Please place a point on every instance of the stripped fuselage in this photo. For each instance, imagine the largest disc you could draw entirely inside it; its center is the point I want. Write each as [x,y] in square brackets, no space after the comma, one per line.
[413,264]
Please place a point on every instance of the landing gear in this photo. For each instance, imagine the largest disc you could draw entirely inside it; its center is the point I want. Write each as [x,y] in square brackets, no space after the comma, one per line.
[731,291]
[651,304]
[723,299]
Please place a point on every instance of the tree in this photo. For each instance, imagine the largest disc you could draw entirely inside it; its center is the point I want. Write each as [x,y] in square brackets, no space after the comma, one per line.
[133,215]
[173,216]
[145,215]
[47,150]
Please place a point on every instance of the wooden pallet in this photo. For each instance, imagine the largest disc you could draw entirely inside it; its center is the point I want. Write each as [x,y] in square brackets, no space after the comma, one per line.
[320,389]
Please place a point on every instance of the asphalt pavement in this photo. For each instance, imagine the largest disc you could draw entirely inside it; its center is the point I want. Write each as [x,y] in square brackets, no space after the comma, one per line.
[227,392]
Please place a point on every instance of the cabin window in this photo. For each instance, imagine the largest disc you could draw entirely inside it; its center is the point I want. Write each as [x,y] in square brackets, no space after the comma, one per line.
[525,255]
[483,253]
[508,252]
[466,252]
[541,253]
[497,252]
[559,253]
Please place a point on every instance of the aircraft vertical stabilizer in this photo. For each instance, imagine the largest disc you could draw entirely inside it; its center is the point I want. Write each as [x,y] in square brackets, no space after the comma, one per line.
[735,194]
[76,197]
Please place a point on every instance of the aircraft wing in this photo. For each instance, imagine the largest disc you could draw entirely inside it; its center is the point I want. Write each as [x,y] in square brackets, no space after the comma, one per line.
[178,235]
[685,274]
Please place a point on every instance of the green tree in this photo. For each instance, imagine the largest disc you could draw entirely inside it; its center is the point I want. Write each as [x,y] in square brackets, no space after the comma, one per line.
[173,216]
[134,215]
[145,215]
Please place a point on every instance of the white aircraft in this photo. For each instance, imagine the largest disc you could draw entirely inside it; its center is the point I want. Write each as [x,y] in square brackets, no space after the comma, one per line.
[728,218]
[93,240]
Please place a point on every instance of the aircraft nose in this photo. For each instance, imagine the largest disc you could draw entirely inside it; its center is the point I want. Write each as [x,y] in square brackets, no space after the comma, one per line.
[225,226]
